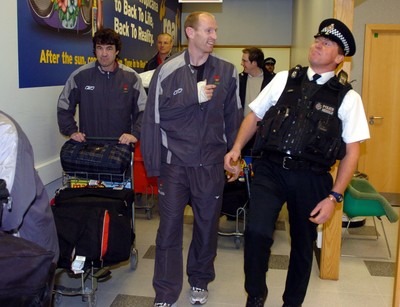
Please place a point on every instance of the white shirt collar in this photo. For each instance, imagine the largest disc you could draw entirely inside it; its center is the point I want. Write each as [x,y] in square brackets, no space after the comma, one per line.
[324,77]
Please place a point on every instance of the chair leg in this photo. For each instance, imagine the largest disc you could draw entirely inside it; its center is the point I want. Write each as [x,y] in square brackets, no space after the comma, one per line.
[376,230]
[384,233]
[346,230]
[346,234]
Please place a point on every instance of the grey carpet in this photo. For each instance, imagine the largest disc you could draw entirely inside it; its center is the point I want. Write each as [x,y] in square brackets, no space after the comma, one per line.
[380,268]
[188,219]
[278,262]
[123,300]
[280,225]
[151,253]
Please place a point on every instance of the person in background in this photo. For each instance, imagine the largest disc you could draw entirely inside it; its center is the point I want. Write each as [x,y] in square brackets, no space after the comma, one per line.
[191,120]
[251,81]
[164,48]
[308,118]
[253,78]
[269,64]
[110,96]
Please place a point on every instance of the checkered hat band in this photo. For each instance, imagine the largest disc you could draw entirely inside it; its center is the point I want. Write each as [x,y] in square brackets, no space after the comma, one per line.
[338,35]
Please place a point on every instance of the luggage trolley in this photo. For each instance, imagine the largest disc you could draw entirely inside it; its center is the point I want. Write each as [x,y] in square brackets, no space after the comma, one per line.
[87,187]
[235,203]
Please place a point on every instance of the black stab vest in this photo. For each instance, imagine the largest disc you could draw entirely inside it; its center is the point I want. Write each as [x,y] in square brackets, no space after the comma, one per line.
[304,123]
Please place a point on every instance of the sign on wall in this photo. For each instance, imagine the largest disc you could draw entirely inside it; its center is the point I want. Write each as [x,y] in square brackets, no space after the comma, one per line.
[55,36]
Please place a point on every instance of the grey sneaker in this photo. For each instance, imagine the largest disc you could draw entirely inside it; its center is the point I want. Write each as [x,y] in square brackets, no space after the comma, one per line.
[165,305]
[198,296]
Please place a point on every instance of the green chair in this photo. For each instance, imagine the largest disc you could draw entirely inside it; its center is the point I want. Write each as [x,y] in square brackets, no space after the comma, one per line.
[362,200]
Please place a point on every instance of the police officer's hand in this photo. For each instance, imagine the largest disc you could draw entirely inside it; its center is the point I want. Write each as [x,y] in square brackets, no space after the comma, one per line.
[78,136]
[127,139]
[323,211]
[232,165]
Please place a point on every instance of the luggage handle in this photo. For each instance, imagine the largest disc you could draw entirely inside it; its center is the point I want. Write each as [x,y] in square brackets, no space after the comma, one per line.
[108,139]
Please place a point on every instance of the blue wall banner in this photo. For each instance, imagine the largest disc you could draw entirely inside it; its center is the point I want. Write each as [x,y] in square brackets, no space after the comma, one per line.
[55,36]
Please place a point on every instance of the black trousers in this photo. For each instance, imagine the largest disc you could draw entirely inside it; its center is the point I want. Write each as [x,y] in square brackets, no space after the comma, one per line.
[271,187]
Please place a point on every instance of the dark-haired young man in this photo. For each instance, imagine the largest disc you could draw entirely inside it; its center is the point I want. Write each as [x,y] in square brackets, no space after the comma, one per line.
[252,80]
[110,96]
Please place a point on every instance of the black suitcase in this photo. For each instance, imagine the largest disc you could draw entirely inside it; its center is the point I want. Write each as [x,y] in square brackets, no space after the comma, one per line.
[27,273]
[96,223]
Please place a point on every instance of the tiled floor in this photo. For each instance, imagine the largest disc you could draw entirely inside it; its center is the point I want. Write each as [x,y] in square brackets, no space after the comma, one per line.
[355,288]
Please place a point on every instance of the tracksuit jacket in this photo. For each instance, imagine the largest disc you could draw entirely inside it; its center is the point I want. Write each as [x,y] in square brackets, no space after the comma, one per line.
[110,103]
[179,130]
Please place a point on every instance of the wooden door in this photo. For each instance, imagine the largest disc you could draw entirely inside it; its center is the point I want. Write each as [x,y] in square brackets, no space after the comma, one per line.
[381,95]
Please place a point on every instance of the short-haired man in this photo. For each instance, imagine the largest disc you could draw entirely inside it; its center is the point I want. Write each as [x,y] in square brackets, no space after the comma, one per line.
[308,118]
[164,48]
[191,120]
[253,78]
[251,82]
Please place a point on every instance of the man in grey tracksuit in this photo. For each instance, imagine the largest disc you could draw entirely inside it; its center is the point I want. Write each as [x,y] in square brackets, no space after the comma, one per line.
[110,96]
[191,119]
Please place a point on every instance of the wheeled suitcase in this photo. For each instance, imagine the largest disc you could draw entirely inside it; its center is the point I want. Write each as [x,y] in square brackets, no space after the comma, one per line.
[96,223]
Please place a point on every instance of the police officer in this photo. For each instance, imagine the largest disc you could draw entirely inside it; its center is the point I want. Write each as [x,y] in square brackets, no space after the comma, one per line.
[304,127]
[269,64]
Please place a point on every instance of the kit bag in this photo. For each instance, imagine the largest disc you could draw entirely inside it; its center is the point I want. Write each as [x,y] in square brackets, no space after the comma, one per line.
[94,156]
[95,223]
[27,273]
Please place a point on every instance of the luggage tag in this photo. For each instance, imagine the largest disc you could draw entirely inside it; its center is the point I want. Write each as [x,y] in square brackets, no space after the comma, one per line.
[77,264]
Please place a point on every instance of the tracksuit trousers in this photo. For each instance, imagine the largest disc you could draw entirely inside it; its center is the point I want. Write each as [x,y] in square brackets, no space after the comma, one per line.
[202,187]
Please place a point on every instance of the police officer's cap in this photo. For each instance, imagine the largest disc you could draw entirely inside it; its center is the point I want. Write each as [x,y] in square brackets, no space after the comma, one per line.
[269,61]
[338,32]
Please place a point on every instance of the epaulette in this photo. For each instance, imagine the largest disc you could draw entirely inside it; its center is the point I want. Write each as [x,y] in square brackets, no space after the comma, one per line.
[296,72]
[340,82]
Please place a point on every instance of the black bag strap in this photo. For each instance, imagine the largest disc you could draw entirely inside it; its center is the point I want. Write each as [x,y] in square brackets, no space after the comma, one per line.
[5,199]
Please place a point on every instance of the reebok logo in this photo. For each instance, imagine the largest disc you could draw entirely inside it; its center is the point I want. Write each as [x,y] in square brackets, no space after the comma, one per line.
[178,91]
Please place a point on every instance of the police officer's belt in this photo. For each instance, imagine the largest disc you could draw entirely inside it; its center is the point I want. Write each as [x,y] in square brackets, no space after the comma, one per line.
[294,163]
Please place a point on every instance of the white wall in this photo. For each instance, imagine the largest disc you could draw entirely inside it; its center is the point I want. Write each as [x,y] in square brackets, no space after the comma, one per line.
[307,15]
[249,22]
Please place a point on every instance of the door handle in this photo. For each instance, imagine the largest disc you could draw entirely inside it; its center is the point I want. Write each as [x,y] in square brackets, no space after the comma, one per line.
[372,119]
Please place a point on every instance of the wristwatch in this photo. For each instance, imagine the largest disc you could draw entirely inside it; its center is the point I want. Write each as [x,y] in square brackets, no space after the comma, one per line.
[338,197]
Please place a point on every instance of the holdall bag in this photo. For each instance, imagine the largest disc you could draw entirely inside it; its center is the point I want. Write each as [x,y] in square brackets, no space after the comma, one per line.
[94,156]
[94,222]
[27,273]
